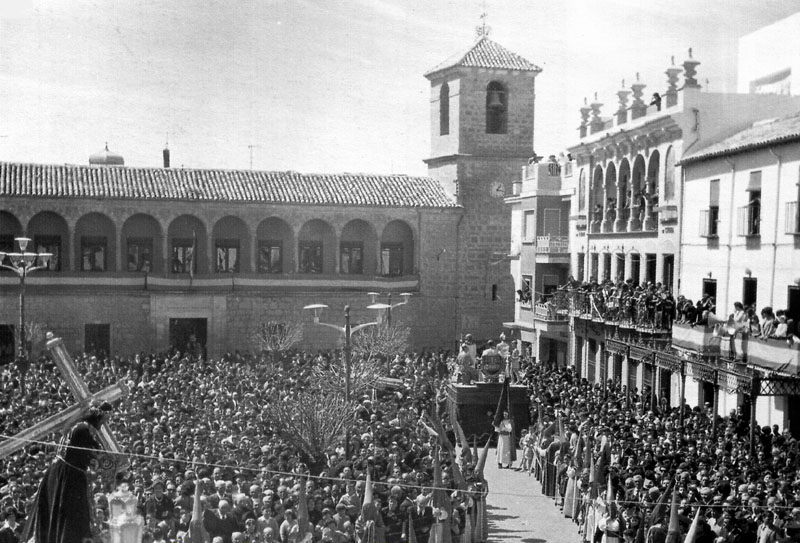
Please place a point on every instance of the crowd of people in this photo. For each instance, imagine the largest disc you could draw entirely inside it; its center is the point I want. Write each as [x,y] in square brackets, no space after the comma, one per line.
[613,462]
[190,422]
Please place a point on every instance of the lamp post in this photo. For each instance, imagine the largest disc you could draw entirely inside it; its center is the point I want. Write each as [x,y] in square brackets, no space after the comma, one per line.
[22,263]
[348,332]
[388,306]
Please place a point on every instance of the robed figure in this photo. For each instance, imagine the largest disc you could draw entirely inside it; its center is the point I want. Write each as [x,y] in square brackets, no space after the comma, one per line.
[504,444]
[62,508]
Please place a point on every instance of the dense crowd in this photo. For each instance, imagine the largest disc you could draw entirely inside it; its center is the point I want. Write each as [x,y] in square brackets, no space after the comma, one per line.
[588,435]
[188,422]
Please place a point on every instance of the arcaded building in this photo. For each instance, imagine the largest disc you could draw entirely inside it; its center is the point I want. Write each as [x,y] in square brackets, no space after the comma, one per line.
[145,257]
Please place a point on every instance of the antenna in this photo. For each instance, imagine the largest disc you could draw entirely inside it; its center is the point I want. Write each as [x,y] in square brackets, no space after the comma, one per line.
[251,147]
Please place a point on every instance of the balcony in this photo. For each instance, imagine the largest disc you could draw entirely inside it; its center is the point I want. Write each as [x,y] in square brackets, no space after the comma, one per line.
[552,249]
[552,244]
[709,221]
[749,223]
[207,282]
[580,221]
[792,219]
[553,315]
[771,354]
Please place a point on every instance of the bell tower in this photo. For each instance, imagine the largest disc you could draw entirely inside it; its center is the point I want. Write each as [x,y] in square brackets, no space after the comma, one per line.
[482,117]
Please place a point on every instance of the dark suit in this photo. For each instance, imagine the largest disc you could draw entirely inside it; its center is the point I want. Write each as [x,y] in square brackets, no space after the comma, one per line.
[422,519]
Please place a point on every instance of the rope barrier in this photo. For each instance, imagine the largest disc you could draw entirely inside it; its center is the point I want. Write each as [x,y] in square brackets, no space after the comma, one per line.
[309,476]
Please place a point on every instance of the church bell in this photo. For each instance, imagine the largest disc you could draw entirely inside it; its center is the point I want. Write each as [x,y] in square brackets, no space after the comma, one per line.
[495,100]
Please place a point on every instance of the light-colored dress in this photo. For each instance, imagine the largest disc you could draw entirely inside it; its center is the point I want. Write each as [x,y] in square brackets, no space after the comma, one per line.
[504,442]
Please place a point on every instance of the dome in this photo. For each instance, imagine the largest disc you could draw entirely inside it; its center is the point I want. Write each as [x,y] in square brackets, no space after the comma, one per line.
[106,158]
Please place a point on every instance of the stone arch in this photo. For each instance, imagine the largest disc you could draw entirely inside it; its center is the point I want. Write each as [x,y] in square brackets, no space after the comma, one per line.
[496,108]
[596,196]
[444,109]
[50,232]
[142,244]
[275,246]
[397,249]
[358,248]
[316,248]
[95,243]
[231,245]
[188,245]
[582,190]
[623,188]
[637,192]
[669,175]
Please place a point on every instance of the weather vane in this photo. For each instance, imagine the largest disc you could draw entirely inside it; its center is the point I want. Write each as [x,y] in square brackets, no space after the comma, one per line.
[483,29]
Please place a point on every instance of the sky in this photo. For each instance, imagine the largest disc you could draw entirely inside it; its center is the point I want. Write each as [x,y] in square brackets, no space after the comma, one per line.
[319,86]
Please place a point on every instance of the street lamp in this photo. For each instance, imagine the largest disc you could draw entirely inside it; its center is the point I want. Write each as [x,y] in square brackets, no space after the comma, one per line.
[348,332]
[22,263]
[389,305]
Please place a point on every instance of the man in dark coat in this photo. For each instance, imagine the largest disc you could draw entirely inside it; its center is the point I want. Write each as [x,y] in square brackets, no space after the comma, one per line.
[61,508]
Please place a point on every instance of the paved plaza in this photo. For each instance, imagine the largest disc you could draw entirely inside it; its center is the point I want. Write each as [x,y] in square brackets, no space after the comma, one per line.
[519,512]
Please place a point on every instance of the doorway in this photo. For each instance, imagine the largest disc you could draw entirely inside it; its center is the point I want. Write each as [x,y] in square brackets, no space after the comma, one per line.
[97,339]
[6,344]
[188,335]
[793,414]
[749,291]
[793,304]
[710,287]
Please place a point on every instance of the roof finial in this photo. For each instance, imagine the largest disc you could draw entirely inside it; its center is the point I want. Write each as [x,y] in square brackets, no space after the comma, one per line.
[484,29]
[690,52]
[637,77]
[672,58]
[623,82]
[106,146]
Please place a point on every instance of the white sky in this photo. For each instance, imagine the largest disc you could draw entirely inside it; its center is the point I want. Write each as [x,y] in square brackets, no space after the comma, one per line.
[321,85]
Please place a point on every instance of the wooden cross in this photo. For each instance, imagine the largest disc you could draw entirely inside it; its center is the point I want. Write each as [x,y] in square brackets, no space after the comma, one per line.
[112,460]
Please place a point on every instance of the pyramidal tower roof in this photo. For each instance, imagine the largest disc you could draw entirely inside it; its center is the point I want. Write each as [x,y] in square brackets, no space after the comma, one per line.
[485,53]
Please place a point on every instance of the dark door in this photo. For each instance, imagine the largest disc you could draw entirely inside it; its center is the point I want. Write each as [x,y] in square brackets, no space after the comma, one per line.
[97,339]
[708,393]
[188,335]
[749,291]
[793,306]
[710,287]
[6,343]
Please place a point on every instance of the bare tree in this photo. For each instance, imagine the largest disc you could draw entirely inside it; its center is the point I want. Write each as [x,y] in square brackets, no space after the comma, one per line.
[363,375]
[380,341]
[276,337]
[313,420]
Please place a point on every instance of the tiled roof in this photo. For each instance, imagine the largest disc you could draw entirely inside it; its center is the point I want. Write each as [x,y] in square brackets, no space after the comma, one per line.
[485,53]
[759,135]
[71,181]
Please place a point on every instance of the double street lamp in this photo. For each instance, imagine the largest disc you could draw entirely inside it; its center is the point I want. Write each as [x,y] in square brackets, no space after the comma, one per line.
[348,330]
[388,306]
[22,263]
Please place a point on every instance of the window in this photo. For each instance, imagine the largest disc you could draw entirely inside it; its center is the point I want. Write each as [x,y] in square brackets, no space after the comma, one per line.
[525,293]
[496,108]
[227,256]
[607,266]
[52,245]
[444,110]
[183,260]
[635,268]
[351,258]
[310,254]
[709,218]
[593,264]
[750,216]
[6,246]
[581,265]
[270,256]
[494,293]
[140,255]
[94,253]
[552,222]
[392,259]
[530,226]
[792,218]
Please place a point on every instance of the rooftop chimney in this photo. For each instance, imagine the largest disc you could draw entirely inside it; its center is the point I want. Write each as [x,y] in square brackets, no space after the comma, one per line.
[622,112]
[638,107]
[689,72]
[165,153]
[672,83]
